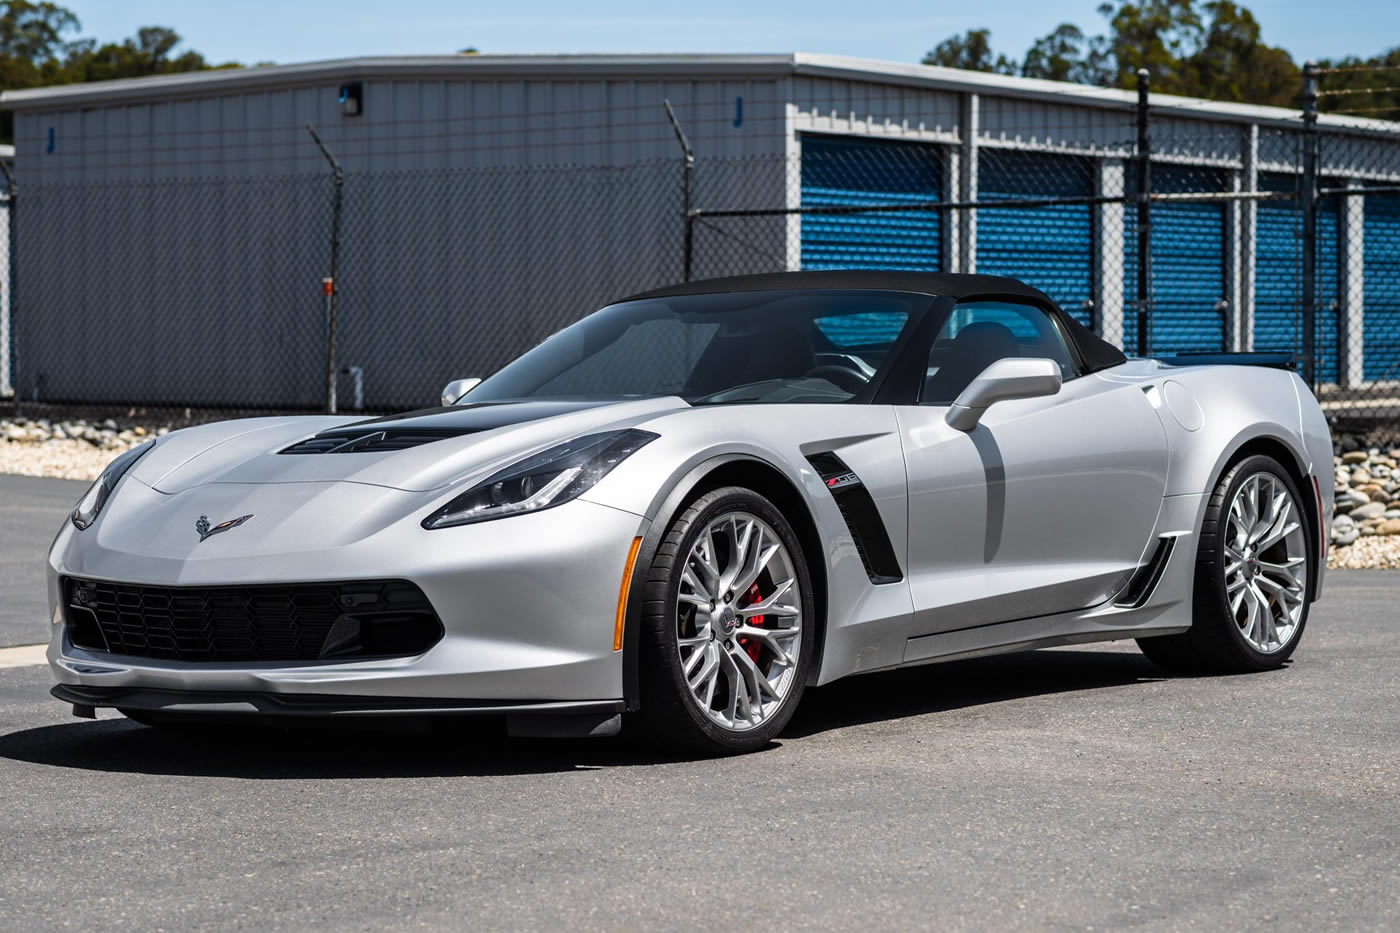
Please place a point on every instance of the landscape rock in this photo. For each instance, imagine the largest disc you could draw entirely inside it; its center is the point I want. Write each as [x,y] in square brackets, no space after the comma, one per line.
[1369,510]
[1350,498]
[69,448]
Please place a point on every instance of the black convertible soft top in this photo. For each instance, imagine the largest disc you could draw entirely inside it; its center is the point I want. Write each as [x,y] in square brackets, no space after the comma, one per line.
[1095,352]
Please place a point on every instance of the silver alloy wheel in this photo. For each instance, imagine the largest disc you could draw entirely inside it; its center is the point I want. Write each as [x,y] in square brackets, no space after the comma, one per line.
[738,618]
[1266,562]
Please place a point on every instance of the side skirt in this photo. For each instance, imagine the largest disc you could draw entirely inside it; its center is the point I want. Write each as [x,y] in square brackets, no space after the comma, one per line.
[1003,639]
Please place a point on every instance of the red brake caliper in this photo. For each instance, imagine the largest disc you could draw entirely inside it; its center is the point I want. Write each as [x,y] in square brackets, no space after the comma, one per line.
[753,647]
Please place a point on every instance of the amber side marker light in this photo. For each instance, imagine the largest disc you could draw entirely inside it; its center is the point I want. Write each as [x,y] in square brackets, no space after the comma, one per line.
[622,592]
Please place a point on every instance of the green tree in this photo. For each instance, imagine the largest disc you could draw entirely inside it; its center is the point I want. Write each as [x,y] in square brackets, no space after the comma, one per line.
[31,40]
[1234,63]
[36,50]
[33,31]
[1068,55]
[1158,35]
[149,52]
[1212,49]
[1367,85]
[970,52]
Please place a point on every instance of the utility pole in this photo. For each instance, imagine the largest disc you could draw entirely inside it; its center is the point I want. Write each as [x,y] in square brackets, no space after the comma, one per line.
[1308,203]
[686,182]
[1144,219]
[330,286]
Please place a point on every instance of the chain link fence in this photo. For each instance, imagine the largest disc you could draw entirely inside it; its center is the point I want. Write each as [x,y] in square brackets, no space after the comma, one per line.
[206,292]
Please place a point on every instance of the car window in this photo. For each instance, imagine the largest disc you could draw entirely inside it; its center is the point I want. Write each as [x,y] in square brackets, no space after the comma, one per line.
[648,358]
[862,329]
[810,346]
[979,333]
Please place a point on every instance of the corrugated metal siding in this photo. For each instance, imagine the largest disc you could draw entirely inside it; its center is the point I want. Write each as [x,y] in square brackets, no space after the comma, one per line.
[1382,288]
[1050,247]
[829,105]
[850,170]
[193,234]
[1188,264]
[406,125]
[1037,124]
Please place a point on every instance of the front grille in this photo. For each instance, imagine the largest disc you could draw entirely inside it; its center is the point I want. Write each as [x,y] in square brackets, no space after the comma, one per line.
[293,622]
[358,441]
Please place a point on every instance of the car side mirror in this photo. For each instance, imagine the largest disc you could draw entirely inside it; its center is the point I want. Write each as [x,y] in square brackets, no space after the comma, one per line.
[452,392]
[1000,382]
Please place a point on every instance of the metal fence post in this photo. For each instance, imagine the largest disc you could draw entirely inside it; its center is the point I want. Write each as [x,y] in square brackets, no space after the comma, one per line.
[686,191]
[331,285]
[1308,204]
[1144,218]
[13,274]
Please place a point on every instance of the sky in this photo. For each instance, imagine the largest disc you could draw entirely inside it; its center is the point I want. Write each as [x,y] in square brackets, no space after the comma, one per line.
[286,31]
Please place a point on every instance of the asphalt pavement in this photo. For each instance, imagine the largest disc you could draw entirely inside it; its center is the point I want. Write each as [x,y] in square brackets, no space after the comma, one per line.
[31,511]
[1075,788]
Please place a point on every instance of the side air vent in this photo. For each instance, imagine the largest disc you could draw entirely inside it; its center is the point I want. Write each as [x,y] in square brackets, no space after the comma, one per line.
[862,517]
[344,441]
[1145,579]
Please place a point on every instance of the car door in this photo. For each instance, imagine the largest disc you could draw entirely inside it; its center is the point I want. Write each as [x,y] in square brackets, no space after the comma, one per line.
[1047,504]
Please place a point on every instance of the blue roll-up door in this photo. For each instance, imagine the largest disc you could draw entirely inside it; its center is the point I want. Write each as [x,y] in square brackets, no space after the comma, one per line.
[843,170]
[1329,276]
[1049,247]
[1381,298]
[1278,276]
[1188,264]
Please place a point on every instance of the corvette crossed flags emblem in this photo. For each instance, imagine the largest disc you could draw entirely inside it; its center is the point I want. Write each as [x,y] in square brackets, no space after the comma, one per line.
[205,531]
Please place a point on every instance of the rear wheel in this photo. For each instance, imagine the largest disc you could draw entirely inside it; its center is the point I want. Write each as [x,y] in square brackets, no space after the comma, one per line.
[1254,572]
[728,625]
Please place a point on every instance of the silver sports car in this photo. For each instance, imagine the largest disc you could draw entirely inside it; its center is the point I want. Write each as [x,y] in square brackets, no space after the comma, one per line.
[693,504]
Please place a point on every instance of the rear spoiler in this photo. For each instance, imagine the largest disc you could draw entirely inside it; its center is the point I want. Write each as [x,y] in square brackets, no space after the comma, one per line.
[1280,359]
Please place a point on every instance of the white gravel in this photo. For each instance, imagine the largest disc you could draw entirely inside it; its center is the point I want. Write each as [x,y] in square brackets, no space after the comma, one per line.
[57,459]
[74,449]
[1372,553]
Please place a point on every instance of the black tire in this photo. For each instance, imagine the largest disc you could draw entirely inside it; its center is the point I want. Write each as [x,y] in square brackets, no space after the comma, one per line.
[1214,643]
[669,713]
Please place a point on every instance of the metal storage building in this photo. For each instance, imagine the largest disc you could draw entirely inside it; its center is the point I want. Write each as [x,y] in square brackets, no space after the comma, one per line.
[175,229]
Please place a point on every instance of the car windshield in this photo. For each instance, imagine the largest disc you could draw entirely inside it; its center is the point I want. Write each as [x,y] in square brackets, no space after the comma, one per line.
[764,346]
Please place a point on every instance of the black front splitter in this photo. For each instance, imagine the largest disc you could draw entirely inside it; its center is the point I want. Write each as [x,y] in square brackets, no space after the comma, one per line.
[541,718]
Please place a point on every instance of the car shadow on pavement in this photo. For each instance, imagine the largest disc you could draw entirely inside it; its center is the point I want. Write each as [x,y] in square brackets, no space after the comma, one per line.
[460,750]
[937,688]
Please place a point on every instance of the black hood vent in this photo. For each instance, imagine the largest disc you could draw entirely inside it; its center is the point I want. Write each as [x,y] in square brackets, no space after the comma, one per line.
[369,440]
[415,428]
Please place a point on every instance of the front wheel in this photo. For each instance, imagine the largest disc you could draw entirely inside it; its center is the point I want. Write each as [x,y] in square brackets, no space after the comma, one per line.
[1254,574]
[728,625]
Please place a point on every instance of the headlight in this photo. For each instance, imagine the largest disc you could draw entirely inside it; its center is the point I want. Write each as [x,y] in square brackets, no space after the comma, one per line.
[540,482]
[85,513]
